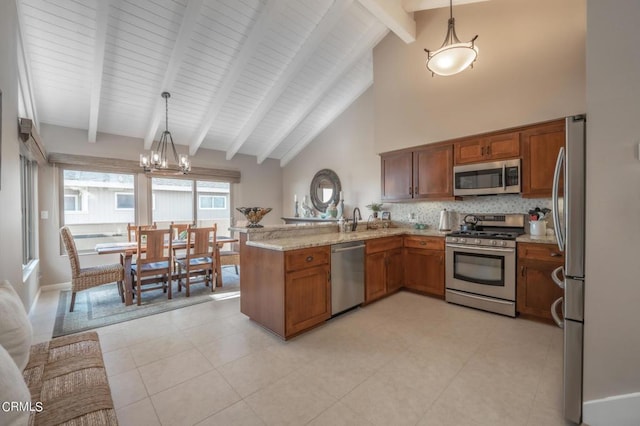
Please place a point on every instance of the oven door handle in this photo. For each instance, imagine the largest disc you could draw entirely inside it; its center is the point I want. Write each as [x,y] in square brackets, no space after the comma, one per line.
[502,250]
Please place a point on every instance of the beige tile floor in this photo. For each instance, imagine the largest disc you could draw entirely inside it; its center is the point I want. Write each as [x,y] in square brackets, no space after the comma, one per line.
[405,360]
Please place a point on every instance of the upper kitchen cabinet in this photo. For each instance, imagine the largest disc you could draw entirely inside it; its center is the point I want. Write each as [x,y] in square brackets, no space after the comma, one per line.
[540,147]
[423,173]
[487,148]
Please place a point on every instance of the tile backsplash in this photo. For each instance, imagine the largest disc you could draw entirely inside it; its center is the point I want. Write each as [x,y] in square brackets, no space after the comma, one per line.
[428,212]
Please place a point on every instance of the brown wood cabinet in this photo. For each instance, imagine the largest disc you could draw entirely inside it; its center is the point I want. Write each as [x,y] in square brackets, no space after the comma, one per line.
[487,148]
[424,264]
[423,173]
[286,292]
[536,291]
[540,147]
[383,267]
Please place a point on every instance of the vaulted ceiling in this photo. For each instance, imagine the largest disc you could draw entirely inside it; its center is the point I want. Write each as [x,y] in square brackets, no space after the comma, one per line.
[256,77]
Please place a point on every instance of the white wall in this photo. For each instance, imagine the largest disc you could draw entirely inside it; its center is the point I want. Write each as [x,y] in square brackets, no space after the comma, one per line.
[10,214]
[612,293]
[261,185]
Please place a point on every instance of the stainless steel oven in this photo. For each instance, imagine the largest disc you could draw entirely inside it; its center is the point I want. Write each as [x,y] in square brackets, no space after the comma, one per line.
[481,266]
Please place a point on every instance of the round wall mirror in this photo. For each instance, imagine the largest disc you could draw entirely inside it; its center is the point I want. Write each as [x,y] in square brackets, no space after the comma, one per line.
[325,189]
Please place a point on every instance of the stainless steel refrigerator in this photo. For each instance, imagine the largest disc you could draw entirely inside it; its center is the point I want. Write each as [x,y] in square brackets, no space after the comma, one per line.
[569,223]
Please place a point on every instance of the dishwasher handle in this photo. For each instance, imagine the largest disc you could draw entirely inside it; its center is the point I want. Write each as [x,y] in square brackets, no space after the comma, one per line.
[340,250]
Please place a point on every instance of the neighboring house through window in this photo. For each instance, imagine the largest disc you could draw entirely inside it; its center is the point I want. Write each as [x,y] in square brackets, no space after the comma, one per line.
[28,191]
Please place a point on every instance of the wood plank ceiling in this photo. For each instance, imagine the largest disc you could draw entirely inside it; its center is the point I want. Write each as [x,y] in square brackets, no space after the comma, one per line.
[256,77]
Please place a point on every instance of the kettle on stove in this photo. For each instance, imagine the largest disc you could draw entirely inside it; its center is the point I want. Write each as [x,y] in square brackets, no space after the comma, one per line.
[446,220]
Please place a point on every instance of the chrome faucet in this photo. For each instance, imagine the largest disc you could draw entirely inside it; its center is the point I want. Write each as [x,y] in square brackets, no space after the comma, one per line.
[354,225]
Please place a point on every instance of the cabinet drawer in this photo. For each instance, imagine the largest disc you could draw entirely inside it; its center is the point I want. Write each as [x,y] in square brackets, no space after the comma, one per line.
[382,244]
[430,243]
[545,252]
[306,258]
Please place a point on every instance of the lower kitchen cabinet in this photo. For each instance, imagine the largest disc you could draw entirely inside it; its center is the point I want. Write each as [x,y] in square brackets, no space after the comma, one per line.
[383,267]
[424,264]
[307,298]
[536,291]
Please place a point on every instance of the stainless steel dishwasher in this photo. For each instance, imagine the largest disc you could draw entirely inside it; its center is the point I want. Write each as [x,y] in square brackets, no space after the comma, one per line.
[347,276]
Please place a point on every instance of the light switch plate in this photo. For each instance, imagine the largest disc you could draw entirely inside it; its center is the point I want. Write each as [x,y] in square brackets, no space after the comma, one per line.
[44,214]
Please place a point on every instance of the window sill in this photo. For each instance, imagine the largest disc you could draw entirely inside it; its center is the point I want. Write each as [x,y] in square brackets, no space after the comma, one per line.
[28,269]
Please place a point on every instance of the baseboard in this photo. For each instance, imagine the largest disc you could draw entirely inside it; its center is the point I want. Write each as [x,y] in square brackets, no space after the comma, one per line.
[620,410]
[53,287]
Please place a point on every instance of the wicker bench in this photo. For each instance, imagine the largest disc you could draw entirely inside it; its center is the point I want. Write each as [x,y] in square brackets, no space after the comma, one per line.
[67,376]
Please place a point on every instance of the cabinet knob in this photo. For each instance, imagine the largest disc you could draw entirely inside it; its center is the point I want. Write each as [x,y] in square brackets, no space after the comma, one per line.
[423,243]
[522,271]
[554,254]
[482,151]
[309,258]
[415,190]
[410,191]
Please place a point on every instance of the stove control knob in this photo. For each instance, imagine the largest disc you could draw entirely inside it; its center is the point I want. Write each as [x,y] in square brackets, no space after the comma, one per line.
[494,243]
[476,241]
[454,240]
[463,240]
[503,243]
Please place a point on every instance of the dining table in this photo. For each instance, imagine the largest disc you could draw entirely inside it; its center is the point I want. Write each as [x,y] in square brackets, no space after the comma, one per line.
[128,249]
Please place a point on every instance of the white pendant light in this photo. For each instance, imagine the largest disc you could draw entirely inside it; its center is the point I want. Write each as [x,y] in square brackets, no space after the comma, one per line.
[453,56]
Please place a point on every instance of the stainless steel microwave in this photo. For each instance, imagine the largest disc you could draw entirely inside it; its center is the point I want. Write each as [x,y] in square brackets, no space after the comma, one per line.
[497,177]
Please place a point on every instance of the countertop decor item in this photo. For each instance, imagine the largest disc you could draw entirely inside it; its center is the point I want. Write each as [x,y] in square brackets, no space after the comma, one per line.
[375,208]
[453,56]
[254,215]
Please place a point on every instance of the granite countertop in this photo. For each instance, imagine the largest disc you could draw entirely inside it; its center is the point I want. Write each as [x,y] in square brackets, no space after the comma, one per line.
[316,240]
[545,239]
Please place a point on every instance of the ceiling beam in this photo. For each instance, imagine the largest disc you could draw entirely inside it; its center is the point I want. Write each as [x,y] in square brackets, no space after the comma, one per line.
[300,145]
[391,14]
[177,56]
[24,74]
[246,53]
[102,17]
[326,24]
[364,45]
[417,5]
[295,150]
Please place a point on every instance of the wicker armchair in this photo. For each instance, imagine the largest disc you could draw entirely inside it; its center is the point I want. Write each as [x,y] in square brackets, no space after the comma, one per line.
[86,278]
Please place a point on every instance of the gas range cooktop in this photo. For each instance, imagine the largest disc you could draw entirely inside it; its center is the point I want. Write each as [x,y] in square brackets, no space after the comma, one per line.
[492,235]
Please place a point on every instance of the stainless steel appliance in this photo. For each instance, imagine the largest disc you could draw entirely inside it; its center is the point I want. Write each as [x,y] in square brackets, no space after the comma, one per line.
[347,276]
[569,223]
[498,177]
[481,264]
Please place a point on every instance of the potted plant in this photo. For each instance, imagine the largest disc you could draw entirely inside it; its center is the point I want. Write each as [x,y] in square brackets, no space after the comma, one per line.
[375,208]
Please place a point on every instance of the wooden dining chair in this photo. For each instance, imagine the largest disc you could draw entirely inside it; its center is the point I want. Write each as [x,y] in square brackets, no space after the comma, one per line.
[199,259]
[180,230]
[132,229]
[154,263]
[94,276]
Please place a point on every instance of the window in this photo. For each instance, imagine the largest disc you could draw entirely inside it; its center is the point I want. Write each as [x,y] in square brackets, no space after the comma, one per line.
[72,203]
[211,202]
[102,220]
[176,201]
[125,201]
[27,189]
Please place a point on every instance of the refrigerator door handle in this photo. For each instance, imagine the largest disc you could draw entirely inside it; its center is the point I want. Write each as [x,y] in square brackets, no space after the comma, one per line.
[556,278]
[555,198]
[554,313]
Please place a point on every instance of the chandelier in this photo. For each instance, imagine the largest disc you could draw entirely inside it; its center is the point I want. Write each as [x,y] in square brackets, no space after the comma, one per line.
[156,161]
[453,56]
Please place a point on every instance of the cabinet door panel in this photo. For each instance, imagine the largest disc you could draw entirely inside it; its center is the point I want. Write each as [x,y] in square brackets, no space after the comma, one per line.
[424,270]
[433,172]
[536,291]
[503,146]
[308,298]
[540,147]
[395,270]
[396,174]
[469,151]
[375,276]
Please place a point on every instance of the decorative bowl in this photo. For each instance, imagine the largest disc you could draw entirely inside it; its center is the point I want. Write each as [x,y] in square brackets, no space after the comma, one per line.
[254,215]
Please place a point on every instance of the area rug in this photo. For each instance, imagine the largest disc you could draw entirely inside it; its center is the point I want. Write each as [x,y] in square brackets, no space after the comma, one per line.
[101,306]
